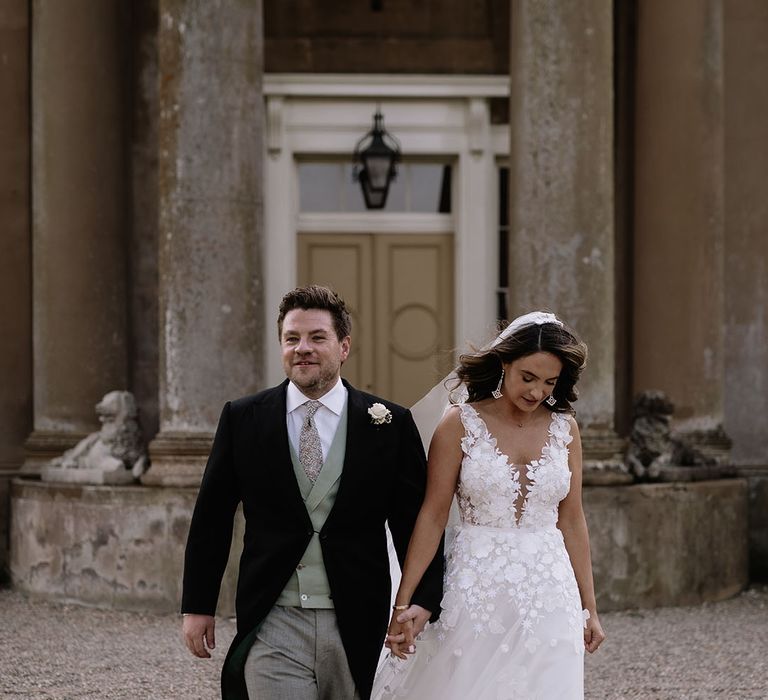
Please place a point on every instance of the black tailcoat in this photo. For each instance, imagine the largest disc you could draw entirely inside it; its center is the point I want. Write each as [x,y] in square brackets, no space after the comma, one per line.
[383,479]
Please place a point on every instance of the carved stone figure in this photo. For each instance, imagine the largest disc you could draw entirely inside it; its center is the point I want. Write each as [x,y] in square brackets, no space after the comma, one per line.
[113,455]
[654,453]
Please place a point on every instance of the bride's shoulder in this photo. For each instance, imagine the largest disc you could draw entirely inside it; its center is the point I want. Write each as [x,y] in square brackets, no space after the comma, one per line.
[452,418]
[449,432]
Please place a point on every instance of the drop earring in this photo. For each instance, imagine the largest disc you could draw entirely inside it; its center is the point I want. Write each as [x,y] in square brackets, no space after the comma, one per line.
[496,393]
[550,400]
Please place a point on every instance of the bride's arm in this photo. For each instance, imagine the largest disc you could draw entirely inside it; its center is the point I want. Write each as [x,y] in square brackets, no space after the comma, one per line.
[573,525]
[443,463]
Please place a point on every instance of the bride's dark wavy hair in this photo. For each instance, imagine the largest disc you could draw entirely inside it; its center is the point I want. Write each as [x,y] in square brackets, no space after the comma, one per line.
[480,371]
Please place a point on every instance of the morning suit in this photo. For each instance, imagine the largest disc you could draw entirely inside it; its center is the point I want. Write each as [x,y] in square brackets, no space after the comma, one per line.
[383,479]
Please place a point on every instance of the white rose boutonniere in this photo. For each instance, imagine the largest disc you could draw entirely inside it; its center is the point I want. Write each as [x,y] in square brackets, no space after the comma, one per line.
[380,414]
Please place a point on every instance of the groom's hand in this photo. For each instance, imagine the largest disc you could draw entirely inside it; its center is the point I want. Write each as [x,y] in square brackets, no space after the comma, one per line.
[411,623]
[199,632]
[420,617]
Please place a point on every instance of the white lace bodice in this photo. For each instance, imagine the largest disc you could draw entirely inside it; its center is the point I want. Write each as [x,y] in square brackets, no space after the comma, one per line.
[491,491]
[509,547]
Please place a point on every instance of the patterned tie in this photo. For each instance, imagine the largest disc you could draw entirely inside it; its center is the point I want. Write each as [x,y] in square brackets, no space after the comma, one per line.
[310,449]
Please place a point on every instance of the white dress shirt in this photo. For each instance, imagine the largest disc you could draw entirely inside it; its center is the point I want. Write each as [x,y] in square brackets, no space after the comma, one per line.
[326,419]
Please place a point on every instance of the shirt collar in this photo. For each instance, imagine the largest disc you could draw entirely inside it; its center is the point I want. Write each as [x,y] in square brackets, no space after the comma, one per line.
[333,399]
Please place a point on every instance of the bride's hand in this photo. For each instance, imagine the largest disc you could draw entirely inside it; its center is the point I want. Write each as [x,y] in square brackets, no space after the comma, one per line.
[593,634]
[400,636]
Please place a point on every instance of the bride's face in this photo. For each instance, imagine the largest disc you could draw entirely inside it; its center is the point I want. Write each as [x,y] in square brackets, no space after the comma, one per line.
[531,379]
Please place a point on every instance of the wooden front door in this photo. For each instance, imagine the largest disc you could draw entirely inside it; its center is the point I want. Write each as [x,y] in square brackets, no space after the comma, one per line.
[399,289]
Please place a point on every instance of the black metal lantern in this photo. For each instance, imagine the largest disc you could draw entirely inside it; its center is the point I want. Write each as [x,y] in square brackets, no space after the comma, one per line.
[376,155]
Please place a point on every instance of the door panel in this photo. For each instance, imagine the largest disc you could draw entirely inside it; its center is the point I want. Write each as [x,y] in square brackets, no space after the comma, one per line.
[414,313]
[343,263]
[399,288]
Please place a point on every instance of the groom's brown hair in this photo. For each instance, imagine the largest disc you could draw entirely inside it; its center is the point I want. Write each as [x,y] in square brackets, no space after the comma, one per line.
[316,297]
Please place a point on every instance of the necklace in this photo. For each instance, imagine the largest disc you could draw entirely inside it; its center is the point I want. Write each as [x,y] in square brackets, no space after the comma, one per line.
[521,424]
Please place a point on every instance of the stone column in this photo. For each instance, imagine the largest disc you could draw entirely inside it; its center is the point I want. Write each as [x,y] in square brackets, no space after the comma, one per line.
[211,111]
[746,223]
[746,253]
[15,258]
[679,213]
[79,215]
[561,193]
[15,242]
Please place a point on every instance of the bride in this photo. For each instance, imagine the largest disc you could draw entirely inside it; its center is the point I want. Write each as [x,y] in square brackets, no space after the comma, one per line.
[519,603]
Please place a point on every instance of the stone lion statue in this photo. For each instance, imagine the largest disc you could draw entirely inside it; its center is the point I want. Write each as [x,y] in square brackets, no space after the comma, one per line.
[652,446]
[114,454]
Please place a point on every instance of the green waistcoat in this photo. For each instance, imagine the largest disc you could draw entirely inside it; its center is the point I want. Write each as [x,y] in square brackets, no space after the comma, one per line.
[308,586]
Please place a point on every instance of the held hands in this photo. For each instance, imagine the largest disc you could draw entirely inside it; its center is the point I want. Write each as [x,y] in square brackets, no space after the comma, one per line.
[198,633]
[404,627]
[593,633]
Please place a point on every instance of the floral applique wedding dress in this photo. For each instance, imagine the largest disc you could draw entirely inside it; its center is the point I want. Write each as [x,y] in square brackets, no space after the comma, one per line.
[512,624]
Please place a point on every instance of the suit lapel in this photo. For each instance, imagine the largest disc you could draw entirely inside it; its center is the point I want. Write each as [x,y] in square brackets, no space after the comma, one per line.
[357,447]
[271,423]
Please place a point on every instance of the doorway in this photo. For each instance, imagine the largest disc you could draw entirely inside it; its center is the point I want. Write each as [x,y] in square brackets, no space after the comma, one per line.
[421,279]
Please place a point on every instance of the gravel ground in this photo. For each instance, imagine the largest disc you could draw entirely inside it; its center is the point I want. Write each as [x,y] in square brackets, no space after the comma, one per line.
[57,651]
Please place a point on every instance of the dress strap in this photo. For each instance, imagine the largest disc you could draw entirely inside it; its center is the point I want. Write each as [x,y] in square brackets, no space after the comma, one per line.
[473,426]
[560,430]
[470,419]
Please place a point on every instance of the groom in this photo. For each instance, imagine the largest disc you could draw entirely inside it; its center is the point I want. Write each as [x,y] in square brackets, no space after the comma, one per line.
[319,467]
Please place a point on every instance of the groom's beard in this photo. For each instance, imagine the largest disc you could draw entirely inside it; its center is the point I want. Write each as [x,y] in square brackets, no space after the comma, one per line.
[316,379]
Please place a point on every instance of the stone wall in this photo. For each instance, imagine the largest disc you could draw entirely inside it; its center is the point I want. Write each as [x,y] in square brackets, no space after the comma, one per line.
[431,36]
[757,481]
[123,547]
[115,547]
[667,544]
[5,518]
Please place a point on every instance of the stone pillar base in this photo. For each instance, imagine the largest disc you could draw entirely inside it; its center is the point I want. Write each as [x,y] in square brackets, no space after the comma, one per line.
[42,446]
[713,443]
[178,459]
[667,544]
[603,456]
[7,474]
[757,483]
[118,547]
[123,546]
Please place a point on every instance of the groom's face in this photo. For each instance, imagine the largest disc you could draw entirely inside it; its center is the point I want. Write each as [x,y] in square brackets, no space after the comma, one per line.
[312,353]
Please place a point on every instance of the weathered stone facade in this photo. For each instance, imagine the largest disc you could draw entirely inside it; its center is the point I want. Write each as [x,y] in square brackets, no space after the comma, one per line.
[432,36]
[561,202]
[668,544]
[123,546]
[133,257]
[209,258]
[15,254]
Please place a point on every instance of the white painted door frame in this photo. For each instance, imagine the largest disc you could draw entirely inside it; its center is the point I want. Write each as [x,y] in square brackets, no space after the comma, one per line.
[445,117]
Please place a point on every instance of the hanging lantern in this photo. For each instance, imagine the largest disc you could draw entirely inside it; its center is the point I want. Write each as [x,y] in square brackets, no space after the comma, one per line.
[376,156]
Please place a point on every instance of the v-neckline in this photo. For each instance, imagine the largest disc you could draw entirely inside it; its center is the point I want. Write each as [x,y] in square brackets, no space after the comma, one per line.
[494,440]
[527,471]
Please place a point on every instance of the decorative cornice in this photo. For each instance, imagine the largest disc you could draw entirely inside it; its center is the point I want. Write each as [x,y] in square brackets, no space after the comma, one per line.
[385,223]
[385,85]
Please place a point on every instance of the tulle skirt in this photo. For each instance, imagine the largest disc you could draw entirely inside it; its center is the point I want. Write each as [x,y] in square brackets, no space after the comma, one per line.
[511,625]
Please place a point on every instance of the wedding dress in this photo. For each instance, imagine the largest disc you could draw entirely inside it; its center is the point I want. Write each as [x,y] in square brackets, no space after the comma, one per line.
[511,626]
